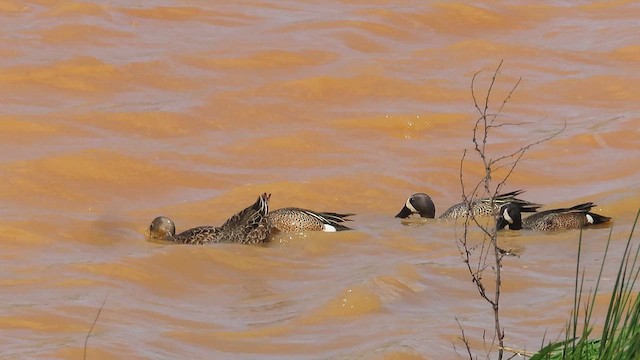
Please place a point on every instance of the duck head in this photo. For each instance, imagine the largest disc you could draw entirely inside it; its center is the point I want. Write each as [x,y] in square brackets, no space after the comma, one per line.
[162,228]
[509,217]
[419,203]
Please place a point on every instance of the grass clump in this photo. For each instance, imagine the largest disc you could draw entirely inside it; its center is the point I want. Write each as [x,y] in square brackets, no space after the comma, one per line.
[620,338]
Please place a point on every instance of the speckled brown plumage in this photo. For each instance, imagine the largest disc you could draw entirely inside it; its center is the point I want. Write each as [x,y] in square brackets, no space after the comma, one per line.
[295,220]
[249,226]
[482,207]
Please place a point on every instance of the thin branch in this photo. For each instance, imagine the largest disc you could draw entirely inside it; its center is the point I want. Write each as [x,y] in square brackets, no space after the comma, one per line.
[530,145]
[493,81]
[473,93]
[464,154]
[488,247]
[464,340]
[504,101]
[86,339]
[510,124]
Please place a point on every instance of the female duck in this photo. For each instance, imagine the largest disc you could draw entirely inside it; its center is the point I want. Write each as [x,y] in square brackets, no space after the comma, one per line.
[249,226]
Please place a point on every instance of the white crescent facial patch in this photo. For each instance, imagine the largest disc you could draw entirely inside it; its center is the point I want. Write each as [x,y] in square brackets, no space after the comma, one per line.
[410,206]
[507,217]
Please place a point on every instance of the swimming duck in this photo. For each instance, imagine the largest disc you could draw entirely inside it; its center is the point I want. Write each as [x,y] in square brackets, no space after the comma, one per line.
[293,219]
[422,204]
[249,226]
[574,217]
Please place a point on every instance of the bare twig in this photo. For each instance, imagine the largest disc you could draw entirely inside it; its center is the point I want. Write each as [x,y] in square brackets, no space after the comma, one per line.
[465,340]
[86,339]
[489,248]
[507,98]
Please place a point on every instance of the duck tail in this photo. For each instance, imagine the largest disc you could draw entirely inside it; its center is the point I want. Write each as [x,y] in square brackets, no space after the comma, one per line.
[582,207]
[340,227]
[594,218]
[510,195]
[527,207]
[524,205]
[262,204]
[331,220]
[336,217]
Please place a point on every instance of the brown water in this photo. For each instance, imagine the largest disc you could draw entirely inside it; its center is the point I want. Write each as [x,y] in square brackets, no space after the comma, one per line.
[114,114]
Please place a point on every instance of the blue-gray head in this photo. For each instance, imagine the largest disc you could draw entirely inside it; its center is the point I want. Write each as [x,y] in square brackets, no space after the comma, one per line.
[509,217]
[419,203]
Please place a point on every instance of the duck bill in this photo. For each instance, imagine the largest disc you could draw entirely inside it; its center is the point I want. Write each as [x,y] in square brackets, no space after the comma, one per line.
[502,223]
[404,213]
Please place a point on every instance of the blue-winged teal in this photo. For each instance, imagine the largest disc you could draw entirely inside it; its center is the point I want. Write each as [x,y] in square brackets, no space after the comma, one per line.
[422,204]
[249,226]
[293,219]
[568,218]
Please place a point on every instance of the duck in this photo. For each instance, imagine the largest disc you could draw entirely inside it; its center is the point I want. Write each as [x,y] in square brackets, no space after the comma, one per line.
[293,219]
[249,226]
[421,204]
[574,217]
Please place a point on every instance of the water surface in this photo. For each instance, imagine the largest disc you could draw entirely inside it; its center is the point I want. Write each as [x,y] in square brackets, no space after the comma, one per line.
[114,113]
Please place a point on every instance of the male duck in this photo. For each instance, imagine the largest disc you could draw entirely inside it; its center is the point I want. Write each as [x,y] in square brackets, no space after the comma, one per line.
[422,204]
[293,219]
[574,217]
[249,226]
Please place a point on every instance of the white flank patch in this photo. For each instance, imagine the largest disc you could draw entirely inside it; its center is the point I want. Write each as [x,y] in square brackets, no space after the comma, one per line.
[507,217]
[328,228]
[589,219]
[410,206]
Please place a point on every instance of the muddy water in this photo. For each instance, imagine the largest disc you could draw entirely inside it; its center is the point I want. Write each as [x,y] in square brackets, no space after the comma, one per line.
[112,114]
